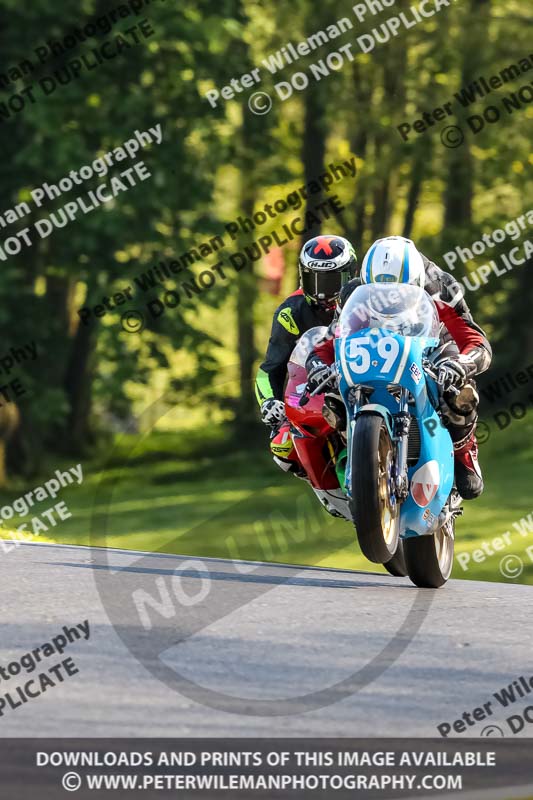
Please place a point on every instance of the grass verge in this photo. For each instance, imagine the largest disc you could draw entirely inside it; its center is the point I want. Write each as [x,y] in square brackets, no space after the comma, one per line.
[182,494]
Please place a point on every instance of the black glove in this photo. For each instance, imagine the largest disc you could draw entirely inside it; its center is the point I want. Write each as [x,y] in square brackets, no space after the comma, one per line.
[453,374]
[273,412]
[318,374]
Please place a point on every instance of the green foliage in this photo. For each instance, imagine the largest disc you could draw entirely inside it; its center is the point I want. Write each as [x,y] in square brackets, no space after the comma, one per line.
[216,164]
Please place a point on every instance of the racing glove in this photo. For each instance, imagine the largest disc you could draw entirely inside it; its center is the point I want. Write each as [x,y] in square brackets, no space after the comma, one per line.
[454,372]
[273,412]
[318,373]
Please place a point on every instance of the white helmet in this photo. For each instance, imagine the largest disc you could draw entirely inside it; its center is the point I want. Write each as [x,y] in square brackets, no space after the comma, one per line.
[393,260]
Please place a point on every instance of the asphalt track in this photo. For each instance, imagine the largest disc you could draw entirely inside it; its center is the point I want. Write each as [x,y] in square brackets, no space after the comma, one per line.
[262,633]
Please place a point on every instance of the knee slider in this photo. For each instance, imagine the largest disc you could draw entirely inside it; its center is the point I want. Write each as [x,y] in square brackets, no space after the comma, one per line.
[466,402]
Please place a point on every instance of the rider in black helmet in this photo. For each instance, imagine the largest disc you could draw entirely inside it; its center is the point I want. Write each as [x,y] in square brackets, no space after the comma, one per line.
[326,264]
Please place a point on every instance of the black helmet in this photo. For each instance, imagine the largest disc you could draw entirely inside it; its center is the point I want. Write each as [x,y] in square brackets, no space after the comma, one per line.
[326,264]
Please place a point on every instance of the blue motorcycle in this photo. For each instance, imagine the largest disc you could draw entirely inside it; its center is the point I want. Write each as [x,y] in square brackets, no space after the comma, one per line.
[400,466]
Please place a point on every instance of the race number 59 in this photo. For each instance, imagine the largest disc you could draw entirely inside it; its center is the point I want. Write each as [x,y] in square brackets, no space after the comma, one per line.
[359,353]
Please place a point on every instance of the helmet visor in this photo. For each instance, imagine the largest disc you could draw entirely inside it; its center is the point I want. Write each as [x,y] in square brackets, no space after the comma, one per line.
[322,285]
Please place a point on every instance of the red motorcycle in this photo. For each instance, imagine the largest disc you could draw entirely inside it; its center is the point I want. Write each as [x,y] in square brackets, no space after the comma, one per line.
[318,424]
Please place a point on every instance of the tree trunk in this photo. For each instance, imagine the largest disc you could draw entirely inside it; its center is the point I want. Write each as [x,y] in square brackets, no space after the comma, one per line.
[252,135]
[380,217]
[363,89]
[460,185]
[246,297]
[9,423]
[387,151]
[313,149]
[78,385]
[517,345]
[420,161]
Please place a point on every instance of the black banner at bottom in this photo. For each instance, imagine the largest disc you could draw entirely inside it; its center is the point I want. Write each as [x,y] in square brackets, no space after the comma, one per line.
[264,768]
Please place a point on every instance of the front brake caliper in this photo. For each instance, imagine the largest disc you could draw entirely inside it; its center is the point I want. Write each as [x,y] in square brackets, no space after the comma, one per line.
[402,424]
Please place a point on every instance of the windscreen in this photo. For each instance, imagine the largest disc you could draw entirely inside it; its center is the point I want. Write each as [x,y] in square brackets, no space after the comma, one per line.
[399,308]
[306,343]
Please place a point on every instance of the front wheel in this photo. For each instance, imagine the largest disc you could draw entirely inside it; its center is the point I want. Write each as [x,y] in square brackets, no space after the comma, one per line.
[373,505]
[429,558]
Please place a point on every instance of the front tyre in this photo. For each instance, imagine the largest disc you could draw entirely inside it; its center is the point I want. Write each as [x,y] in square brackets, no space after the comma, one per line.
[429,559]
[373,505]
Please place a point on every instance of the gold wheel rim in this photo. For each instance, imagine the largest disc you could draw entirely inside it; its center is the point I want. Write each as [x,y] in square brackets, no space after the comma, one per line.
[444,551]
[389,511]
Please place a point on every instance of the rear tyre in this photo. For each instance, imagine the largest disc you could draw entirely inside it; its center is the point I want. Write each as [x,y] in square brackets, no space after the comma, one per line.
[373,505]
[429,559]
[397,566]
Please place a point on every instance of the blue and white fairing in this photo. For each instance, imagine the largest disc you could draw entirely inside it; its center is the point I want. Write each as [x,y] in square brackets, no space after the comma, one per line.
[384,334]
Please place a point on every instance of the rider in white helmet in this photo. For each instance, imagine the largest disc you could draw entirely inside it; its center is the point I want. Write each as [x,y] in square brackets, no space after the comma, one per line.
[464,353]
[393,260]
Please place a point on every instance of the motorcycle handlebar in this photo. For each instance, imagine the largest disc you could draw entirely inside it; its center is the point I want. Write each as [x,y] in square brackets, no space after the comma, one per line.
[307,395]
[433,373]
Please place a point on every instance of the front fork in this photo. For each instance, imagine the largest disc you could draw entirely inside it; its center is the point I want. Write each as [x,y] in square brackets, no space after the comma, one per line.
[399,485]
[402,424]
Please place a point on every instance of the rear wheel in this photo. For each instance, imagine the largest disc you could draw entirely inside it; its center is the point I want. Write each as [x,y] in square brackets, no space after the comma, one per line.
[397,566]
[429,559]
[374,508]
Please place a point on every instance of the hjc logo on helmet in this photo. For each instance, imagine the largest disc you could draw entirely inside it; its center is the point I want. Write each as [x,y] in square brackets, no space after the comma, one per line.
[323,265]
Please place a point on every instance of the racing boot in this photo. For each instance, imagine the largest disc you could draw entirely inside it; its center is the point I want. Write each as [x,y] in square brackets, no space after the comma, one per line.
[284,452]
[468,477]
